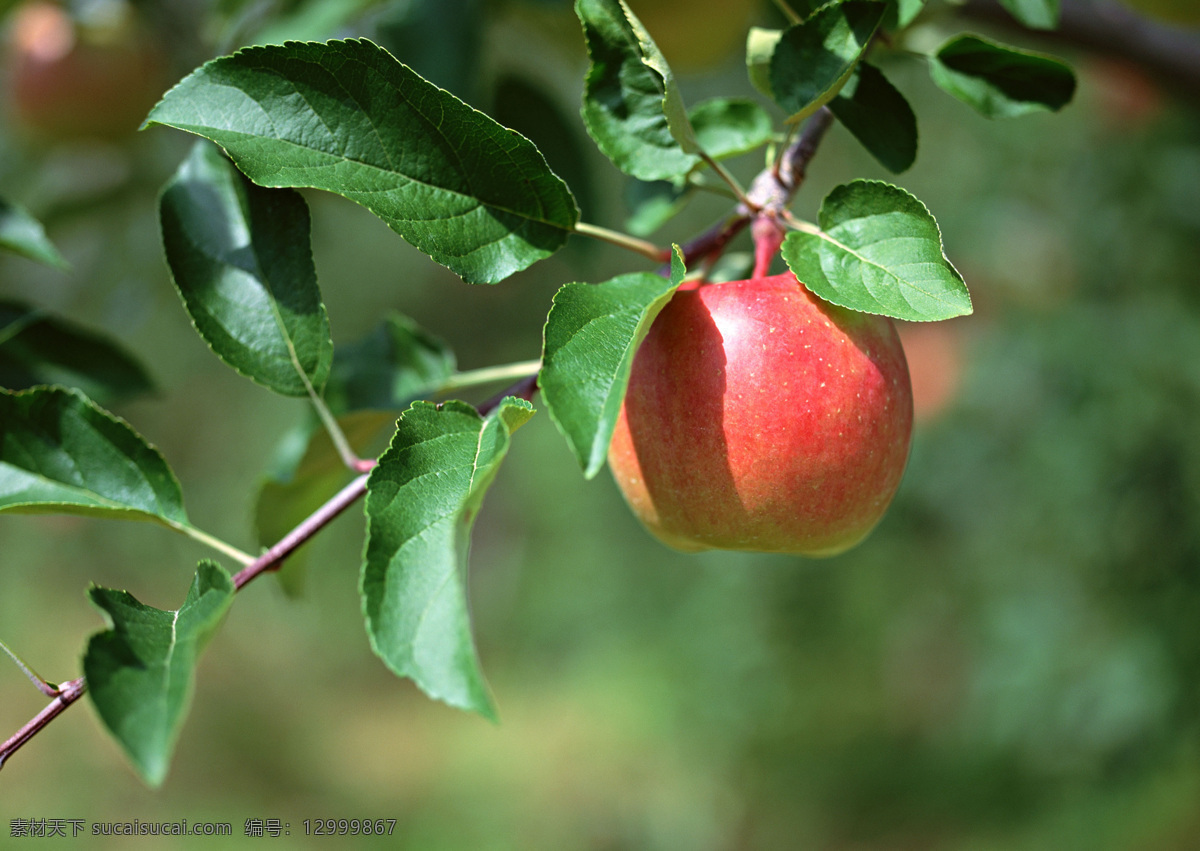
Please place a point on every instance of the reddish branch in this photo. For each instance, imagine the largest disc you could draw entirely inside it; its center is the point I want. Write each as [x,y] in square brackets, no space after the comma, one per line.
[769,195]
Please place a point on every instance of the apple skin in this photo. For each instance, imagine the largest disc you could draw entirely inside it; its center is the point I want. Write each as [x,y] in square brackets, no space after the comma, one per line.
[759,417]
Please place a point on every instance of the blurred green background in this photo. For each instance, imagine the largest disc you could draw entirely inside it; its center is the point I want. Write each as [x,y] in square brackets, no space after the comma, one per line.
[1011,661]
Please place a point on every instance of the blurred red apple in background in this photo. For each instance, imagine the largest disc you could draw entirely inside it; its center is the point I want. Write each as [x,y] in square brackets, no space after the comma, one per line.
[759,417]
[67,80]
[936,355]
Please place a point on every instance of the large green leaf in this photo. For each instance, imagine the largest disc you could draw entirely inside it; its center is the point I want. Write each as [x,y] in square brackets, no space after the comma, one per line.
[422,499]
[591,336]
[1036,14]
[631,105]
[60,453]
[141,671]
[346,117]
[1000,81]
[389,368]
[877,114]
[728,127]
[37,348]
[879,251]
[22,234]
[814,58]
[240,258]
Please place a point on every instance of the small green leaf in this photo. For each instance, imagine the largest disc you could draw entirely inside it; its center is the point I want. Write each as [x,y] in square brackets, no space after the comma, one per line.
[240,258]
[422,499]
[877,114]
[879,251]
[22,234]
[306,473]
[631,105]
[60,453]
[346,117]
[591,336]
[141,671]
[1000,81]
[37,348]
[1035,14]
[760,46]
[815,57]
[727,128]
[389,368]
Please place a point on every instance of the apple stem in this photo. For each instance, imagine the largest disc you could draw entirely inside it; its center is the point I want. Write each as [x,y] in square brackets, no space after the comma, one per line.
[768,237]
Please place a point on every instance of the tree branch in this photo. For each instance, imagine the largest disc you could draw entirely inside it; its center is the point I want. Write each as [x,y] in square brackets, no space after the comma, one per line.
[71,691]
[769,194]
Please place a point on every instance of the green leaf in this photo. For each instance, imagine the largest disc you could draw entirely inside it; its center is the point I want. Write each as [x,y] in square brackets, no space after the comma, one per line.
[389,368]
[60,453]
[591,336]
[760,46]
[631,105]
[240,258]
[348,118]
[880,251]
[422,499]
[22,234]
[141,671]
[1000,81]
[307,473]
[727,128]
[1035,14]
[877,114]
[37,348]
[901,13]
[815,57]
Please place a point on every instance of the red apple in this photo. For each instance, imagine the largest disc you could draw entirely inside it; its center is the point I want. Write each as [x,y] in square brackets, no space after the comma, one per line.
[760,417]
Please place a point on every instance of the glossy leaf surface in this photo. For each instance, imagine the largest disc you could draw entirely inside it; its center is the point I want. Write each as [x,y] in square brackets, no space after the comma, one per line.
[591,337]
[631,105]
[141,671]
[348,118]
[880,118]
[815,57]
[61,453]
[241,261]
[999,81]
[422,499]
[879,251]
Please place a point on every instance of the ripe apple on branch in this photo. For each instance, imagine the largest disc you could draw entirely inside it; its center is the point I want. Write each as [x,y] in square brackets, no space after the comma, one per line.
[772,413]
